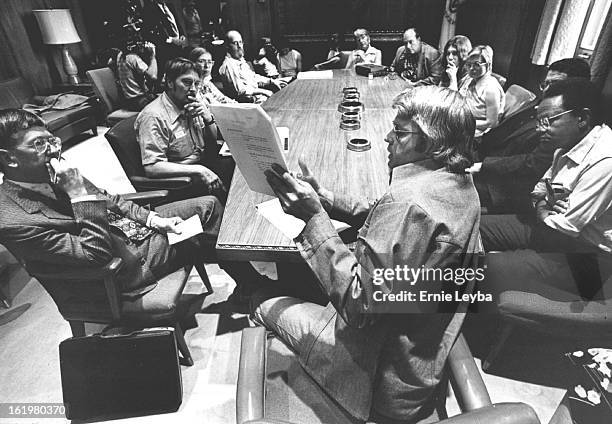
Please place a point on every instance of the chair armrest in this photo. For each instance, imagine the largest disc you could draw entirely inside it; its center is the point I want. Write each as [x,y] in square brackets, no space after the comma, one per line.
[146,196]
[250,390]
[108,270]
[469,388]
[500,413]
[169,183]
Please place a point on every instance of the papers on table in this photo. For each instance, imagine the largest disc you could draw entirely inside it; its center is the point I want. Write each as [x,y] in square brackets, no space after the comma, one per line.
[188,228]
[287,224]
[253,141]
[315,74]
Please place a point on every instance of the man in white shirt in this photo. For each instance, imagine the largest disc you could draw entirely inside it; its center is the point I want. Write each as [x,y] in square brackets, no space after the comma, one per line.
[567,242]
[365,52]
[240,82]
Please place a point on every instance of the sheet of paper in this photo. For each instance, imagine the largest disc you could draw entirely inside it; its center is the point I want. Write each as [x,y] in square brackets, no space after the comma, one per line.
[253,141]
[189,228]
[225,150]
[287,224]
[316,74]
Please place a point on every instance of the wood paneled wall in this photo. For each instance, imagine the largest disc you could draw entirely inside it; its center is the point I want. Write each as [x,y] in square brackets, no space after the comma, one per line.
[22,52]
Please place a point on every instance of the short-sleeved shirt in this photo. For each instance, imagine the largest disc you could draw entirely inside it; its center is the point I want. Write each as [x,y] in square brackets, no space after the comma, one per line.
[211,93]
[371,55]
[165,134]
[131,69]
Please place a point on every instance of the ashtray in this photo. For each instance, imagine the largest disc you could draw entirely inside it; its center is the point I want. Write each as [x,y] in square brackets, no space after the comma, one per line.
[358,145]
[350,124]
[350,90]
[350,106]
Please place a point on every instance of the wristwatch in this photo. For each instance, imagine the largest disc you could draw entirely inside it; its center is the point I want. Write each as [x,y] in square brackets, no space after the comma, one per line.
[212,121]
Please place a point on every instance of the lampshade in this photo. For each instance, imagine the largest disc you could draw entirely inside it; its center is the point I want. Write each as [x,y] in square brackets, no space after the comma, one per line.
[56,26]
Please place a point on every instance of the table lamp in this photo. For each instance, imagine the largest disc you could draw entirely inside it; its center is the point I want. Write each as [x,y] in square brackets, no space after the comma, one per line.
[57,27]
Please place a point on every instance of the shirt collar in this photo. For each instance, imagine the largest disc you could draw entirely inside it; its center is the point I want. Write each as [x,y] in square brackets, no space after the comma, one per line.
[580,150]
[229,56]
[404,172]
[171,109]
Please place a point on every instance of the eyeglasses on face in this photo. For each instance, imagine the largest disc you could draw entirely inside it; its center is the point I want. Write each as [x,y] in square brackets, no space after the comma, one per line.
[546,83]
[475,64]
[544,123]
[205,61]
[399,133]
[41,144]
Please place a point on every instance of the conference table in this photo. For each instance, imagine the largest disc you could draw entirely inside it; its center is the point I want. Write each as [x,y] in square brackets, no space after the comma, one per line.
[309,108]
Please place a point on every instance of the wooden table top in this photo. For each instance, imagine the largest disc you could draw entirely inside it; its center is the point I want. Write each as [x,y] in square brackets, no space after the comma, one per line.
[309,109]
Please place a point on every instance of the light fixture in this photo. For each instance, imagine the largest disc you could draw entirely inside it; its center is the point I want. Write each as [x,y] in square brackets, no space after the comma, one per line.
[57,28]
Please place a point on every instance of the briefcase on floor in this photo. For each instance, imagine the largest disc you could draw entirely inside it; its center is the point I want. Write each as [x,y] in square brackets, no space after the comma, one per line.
[121,375]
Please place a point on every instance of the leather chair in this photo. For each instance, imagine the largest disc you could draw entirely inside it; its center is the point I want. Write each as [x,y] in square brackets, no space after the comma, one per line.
[585,322]
[65,124]
[265,388]
[516,98]
[122,138]
[92,295]
[105,87]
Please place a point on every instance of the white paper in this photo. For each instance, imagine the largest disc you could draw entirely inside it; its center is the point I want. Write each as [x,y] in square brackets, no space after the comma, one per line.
[225,150]
[283,134]
[287,224]
[315,74]
[253,141]
[188,228]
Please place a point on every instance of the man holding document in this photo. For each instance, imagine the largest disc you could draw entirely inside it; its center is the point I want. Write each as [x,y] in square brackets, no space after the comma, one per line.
[53,217]
[380,365]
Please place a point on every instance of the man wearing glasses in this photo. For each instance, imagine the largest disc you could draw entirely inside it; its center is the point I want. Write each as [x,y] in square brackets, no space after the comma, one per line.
[178,134]
[53,217]
[240,82]
[565,242]
[375,364]
[513,158]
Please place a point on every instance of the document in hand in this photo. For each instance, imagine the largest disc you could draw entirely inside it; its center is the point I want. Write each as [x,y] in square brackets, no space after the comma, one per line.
[253,141]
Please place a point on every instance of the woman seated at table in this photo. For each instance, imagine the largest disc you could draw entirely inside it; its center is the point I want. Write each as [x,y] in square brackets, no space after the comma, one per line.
[289,60]
[333,55]
[483,94]
[207,88]
[453,58]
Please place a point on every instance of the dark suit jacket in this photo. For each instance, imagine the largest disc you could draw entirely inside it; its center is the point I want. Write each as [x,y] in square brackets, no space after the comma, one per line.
[48,234]
[429,69]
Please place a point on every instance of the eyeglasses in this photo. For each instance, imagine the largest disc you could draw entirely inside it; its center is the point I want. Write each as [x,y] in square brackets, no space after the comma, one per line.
[41,144]
[474,64]
[543,124]
[546,83]
[399,132]
[206,61]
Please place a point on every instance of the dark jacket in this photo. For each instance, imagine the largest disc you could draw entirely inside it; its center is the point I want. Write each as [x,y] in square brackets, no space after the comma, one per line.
[429,68]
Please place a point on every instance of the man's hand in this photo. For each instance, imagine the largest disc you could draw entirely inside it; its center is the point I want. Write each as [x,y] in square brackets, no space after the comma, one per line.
[474,169]
[68,178]
[543,211]
[196,108]
[325,196]
[297,197]
[166,225]
[210,179]
[561,206]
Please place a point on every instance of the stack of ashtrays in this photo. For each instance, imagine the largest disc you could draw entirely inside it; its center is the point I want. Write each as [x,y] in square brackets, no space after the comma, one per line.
[350,101]
[352,113]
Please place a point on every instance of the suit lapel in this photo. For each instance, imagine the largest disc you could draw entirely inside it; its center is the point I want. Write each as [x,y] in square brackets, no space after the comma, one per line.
[33,202]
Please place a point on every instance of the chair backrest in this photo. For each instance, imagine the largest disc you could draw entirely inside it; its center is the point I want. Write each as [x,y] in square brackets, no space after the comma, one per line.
[500,79]
[122,138]
[516,97]
[105,87]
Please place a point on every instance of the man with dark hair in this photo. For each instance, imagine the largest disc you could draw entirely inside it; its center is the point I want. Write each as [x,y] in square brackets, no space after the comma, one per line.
[178,135]
[53,217]
[373,363]
[416,61]
[239,80]
[566,242]
[513,156]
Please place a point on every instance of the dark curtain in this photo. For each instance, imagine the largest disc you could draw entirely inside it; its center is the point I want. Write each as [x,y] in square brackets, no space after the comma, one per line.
[601,61]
